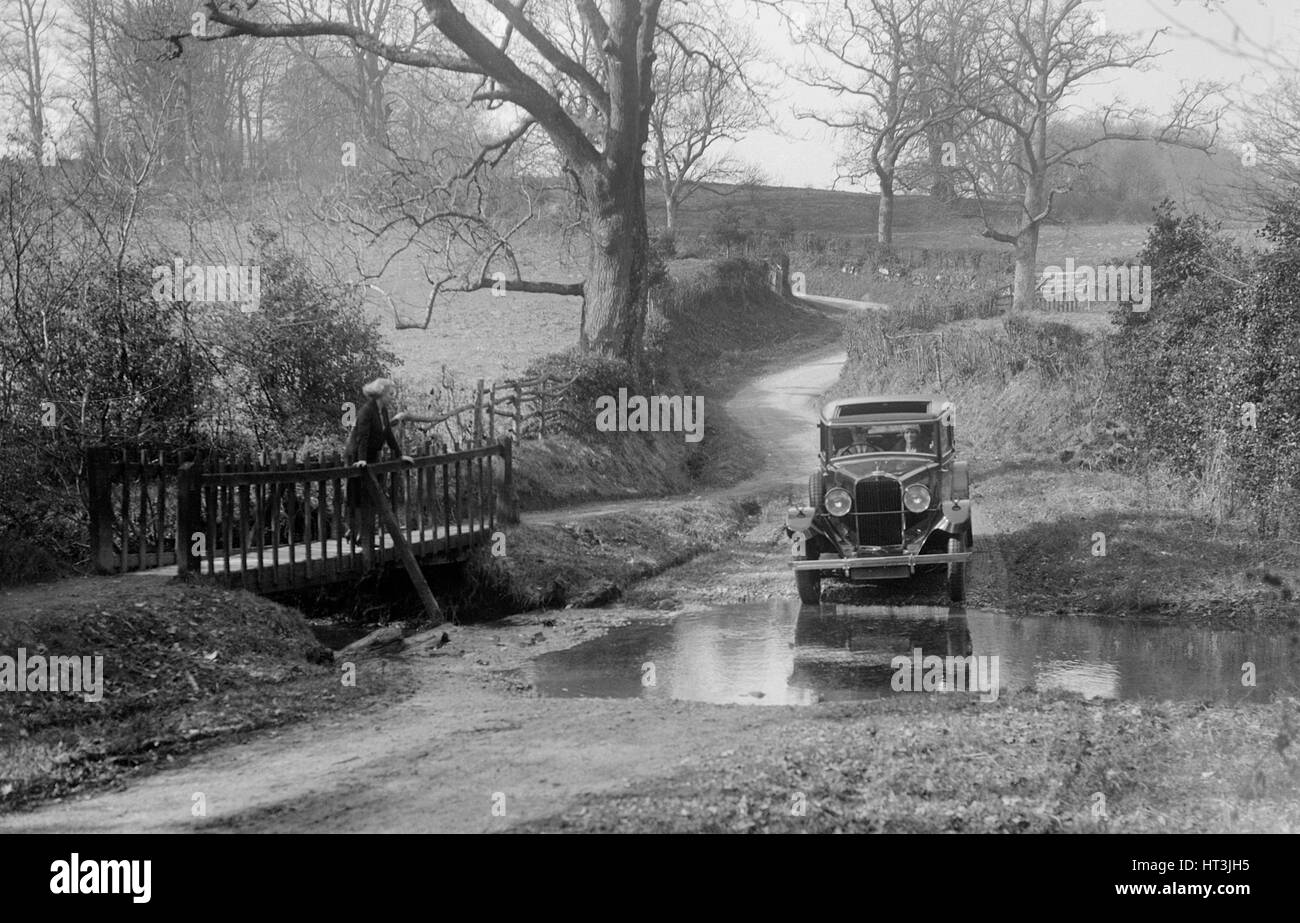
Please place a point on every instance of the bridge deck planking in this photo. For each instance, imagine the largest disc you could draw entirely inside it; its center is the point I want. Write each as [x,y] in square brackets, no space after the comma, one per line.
[432,545]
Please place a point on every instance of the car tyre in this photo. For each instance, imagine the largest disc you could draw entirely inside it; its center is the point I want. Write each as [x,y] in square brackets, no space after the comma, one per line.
[809,582]
[816,490]
[809,585]
[958,571]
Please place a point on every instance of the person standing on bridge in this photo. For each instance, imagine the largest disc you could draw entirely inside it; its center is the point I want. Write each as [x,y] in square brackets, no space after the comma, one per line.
[372,430]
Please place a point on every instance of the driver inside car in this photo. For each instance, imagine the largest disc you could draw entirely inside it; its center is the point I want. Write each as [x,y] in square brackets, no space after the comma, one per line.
[859,440]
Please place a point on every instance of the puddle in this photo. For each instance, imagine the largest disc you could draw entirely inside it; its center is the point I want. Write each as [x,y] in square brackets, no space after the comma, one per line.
[780,653]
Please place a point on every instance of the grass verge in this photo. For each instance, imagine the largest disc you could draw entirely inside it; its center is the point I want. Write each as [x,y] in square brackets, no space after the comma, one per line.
[1034,763]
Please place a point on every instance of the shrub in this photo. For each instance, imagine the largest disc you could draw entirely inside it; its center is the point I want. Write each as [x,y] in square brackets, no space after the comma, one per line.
[293,363]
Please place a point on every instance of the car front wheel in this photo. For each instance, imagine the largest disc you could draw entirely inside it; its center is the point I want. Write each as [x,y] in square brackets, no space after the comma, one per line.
[809,582]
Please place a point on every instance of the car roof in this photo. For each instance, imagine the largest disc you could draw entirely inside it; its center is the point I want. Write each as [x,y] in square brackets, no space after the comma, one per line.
[885,408]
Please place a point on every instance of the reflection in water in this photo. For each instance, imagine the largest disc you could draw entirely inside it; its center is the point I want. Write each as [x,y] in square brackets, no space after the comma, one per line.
[779,653]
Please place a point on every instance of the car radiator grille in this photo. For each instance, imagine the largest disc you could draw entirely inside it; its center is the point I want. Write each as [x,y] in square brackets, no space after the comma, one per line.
[879,507]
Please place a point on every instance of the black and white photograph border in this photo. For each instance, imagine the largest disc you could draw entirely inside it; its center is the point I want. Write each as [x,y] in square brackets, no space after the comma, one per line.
[355,468]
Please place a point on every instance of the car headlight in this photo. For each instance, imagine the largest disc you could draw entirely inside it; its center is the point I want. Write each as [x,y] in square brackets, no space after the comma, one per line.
[917,498]
[838,501]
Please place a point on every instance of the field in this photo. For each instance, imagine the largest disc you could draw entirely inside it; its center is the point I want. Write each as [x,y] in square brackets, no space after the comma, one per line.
[918,222]
[480,335]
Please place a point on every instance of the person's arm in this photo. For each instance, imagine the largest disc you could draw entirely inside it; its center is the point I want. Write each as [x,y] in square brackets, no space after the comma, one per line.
[391,438]
[412,417]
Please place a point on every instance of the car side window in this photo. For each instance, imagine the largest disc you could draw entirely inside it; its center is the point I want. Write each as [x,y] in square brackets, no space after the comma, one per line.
[948,441]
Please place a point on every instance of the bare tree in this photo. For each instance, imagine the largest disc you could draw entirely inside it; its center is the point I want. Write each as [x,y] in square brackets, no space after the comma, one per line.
[596,114]
[1269,151]
[24,49]
[1029,58]
[85,31]
[867,53]
[357,74]
[703,97]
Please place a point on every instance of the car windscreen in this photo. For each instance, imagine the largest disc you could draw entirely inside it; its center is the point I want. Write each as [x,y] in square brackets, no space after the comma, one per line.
[919,438]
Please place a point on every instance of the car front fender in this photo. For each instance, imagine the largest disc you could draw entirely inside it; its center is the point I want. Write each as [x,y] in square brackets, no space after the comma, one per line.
[956,516]
[799,518]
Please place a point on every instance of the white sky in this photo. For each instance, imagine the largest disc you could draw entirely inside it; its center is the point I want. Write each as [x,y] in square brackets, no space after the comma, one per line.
[805,153]
[1200,45]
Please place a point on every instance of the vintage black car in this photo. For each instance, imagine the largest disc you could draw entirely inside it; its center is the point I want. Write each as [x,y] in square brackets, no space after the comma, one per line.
[888,497]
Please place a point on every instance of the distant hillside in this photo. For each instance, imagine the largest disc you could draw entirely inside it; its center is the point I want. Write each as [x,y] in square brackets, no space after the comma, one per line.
[821,211]
[918,222]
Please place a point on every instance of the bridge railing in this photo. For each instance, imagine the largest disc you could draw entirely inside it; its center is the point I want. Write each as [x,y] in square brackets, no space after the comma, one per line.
[281,523]
[133,497]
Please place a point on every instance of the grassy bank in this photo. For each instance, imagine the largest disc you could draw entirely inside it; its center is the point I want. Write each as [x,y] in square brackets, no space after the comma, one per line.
[594,560]
[1035,763]
[183,665]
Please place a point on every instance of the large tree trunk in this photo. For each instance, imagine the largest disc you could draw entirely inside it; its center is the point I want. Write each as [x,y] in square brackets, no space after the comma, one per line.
[615,288]
[1022,291]
[885,218]
[941,184]
[1036,209]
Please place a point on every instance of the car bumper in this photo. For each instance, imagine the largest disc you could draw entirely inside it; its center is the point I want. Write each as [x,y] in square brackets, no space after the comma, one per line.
[910,561]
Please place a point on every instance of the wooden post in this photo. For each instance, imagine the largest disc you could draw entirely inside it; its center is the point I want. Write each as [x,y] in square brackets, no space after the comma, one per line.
[509,503]
[144,510]
[412,566]
[518,428]
[245,527]
[478,413]
[161,510]
[366,515]
[99,489]
[541,407]
[492,413]
[338,515]
[188,513]
[124,559]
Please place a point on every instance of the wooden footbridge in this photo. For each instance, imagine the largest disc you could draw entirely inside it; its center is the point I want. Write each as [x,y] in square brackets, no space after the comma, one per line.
[278,524]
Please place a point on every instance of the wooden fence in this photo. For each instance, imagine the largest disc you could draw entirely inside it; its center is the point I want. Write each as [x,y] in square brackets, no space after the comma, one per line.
[528,408]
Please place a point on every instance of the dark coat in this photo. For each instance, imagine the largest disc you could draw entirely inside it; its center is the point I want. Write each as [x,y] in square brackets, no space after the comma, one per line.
[369,434]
